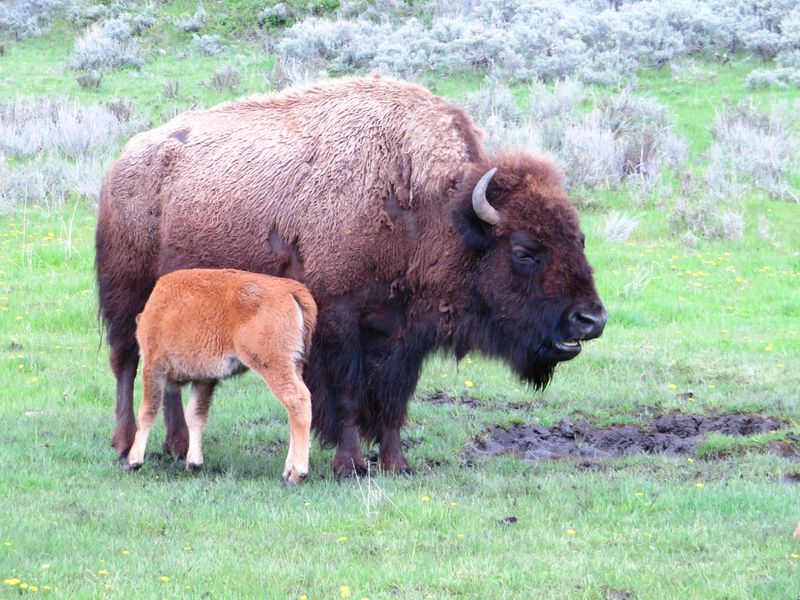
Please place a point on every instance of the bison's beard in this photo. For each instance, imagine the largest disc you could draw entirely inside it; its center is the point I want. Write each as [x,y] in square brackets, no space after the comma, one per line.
[528,349]
[535,370]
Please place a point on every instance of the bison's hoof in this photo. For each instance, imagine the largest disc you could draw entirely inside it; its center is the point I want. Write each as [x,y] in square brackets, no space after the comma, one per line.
[396,466]
[177,446]
[293,476]
[348,471]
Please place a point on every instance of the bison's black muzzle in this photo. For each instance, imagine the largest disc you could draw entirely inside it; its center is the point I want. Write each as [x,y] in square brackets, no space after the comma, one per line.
[587,321]
[583,322]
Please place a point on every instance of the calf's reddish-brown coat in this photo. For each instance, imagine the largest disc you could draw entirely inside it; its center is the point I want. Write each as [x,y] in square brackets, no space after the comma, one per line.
[203,325]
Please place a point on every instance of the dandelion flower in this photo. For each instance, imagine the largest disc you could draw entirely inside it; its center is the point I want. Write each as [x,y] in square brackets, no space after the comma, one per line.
[698,485]
[671,386]
[639,494]
[46,588]
[23,586]
[303,597]
[12,582]
[426,498]
[453,504]
[690,460]
[45,565]
[187,548]
[102,572]
[460,536]
[344,591]
[342,539]
[469,383]
[34,588]
[164,579]
[125,552]
[570,532]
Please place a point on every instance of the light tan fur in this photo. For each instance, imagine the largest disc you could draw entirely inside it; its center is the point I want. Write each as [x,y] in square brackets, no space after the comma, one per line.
[202,325]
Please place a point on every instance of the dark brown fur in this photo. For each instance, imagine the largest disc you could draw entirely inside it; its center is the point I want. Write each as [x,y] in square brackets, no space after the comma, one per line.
[360,188]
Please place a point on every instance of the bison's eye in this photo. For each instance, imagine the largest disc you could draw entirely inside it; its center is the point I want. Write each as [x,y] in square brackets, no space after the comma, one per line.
[527,257]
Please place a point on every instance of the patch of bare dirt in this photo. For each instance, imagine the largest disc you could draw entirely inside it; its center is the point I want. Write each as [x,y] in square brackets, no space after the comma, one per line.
[671,434]
[440,398]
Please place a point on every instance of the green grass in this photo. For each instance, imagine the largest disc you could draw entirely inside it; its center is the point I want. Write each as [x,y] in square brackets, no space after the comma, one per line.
[722,321]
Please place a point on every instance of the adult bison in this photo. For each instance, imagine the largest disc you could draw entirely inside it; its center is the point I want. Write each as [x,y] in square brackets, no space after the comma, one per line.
[378,196]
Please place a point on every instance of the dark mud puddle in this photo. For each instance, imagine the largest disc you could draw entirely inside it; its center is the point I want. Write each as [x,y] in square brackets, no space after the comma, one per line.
[671,434]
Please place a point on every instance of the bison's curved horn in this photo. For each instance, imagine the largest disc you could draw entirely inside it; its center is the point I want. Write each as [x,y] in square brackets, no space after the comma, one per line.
[480,204]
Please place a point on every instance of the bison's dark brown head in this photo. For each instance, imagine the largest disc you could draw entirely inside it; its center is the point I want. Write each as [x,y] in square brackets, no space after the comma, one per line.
[532,293]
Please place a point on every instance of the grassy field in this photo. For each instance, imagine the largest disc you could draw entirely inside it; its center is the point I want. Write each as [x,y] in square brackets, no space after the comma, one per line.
[721,321]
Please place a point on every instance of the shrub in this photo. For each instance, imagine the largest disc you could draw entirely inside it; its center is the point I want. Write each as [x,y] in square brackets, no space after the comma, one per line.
[619,226]
[107,44]
[90,80]
[280,15]
[57,126]
[753,149]
[194,23]
[704,217]
[577,38]
[21,19]
[226,78]
[209,45]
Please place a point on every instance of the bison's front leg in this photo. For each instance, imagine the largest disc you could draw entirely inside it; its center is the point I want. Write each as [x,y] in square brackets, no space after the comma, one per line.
[349,460]
[391,453]
[392,385]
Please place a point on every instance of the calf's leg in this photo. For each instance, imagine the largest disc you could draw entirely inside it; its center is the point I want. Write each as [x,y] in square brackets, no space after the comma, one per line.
[282,379]
[196,418]
[153,385]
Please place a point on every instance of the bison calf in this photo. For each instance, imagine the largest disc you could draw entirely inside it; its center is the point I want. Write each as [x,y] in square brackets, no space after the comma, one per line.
[202,325]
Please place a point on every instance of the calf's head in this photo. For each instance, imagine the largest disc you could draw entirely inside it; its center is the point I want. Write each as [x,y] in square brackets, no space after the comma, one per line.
[531,286]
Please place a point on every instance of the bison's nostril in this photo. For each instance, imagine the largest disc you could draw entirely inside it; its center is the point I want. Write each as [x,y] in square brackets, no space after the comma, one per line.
[591,322]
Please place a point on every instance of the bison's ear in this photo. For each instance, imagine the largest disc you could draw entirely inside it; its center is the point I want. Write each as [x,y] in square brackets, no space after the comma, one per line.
[475,233]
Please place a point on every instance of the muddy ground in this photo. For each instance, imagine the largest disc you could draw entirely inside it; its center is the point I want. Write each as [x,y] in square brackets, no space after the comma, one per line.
[671,434]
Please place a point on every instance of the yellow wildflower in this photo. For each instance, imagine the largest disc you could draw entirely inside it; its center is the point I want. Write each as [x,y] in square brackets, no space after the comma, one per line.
[342,539]
[102,572]
[469,383]
[570,532]
[698,485]
[13,581]
[426,498]
[344,591]
[164,579]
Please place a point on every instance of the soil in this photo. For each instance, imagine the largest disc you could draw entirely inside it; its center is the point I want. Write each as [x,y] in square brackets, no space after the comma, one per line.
[440,398]
[671,434]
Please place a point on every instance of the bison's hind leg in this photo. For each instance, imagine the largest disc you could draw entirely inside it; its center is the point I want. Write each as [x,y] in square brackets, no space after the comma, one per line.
[196,418]
[177,440]
[123,363]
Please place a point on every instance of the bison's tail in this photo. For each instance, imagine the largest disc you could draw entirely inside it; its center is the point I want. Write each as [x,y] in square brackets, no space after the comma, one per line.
[309,310]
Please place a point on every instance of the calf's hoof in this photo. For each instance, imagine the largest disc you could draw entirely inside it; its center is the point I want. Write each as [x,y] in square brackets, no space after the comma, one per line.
[129,467]
[293,476]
